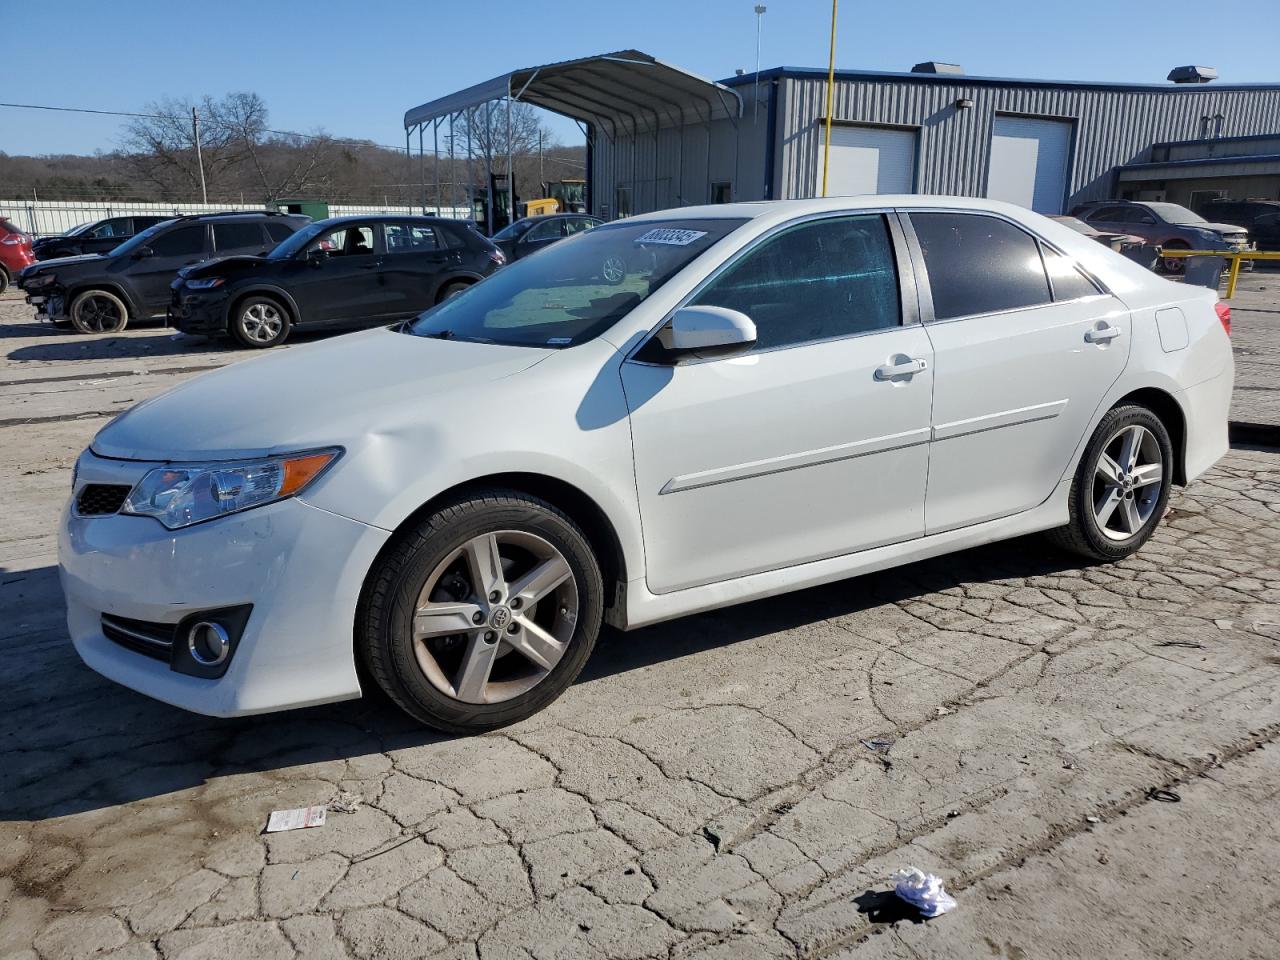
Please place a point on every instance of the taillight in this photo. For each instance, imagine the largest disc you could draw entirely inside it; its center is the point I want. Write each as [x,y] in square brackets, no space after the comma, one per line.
[1224,314]
[14,240]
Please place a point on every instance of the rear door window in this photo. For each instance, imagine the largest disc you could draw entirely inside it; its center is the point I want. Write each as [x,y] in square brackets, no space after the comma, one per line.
[278,231]
[1107,215]
[237,236]
[412,238]
[979,264]
[183,242]
[820,280]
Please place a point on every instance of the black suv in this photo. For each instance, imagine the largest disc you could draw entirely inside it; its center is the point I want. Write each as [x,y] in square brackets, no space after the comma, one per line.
[341,271]
[537,233]
[100,236]
[1260,217]
[100,294]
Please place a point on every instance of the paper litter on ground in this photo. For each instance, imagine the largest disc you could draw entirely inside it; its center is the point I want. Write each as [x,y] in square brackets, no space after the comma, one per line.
[344,802]
[923,891]
[295,819]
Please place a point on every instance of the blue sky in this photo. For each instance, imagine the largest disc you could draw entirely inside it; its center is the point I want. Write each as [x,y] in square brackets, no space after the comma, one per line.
[353,68]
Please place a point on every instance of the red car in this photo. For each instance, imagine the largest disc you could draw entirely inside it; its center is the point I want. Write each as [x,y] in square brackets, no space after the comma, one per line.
[15,252]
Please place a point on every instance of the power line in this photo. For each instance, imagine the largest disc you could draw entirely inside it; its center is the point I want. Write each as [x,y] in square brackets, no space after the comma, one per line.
[212,122]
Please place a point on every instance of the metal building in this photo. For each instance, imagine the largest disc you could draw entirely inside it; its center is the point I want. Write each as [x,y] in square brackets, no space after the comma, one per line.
[661,137]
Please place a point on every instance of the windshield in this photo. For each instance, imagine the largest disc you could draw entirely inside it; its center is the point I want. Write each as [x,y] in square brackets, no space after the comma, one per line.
[514,230]
[79,228]
[575,290]
[140,239]
[1172,213]
[295,243]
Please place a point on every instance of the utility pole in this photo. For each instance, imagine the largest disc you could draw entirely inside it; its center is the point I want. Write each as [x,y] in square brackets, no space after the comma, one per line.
[195,132]
[831,80]
[760,9]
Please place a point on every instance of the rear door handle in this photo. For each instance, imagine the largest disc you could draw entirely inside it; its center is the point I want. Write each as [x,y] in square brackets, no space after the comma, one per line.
[372,266]
[891,371]
[1102,334]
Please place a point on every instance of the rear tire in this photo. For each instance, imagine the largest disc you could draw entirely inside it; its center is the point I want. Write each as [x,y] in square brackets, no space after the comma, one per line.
[463,644]
[1121,486]
[259,322]
[98,311]
[4,279]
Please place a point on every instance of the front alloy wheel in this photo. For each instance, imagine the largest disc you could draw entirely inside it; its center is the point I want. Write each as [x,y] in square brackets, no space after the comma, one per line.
[495,617]
[483,612]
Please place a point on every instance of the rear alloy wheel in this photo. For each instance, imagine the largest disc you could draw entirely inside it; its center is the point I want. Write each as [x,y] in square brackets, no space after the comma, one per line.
[98,311]
[484,613]
[259,322]
[1121,486]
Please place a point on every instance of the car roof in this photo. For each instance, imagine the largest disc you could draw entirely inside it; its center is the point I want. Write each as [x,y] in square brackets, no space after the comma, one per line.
[389,218]
[789,209]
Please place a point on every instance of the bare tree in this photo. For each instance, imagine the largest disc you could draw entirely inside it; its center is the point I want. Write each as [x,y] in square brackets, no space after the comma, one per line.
[241,155]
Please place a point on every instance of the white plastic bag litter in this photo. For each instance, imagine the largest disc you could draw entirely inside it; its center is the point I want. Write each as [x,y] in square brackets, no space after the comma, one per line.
[923,891]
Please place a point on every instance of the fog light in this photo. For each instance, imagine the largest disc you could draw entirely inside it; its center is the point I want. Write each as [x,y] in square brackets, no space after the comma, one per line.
[208,643]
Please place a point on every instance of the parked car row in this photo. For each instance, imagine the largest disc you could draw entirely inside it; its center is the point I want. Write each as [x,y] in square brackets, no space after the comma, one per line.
[257,275]
[1167,225]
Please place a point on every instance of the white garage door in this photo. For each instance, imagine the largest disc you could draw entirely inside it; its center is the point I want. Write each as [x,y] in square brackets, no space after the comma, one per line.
[1029,160]
[869,160]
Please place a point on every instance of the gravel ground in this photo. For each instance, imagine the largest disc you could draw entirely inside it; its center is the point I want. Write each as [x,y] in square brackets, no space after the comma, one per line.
[706,789]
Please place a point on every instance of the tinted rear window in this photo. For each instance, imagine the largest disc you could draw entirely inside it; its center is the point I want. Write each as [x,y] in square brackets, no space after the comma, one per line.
[979,264]
[237,236]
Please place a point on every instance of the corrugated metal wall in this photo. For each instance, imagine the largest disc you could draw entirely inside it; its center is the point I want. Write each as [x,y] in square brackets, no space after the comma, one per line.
[677,166]
[1112,127]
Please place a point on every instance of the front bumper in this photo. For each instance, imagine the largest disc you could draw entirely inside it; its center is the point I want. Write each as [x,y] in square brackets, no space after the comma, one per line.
[202,313]
[301,568]
[49,306]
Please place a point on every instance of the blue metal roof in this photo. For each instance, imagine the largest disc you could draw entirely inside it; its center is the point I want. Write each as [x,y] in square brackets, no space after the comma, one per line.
[810,73]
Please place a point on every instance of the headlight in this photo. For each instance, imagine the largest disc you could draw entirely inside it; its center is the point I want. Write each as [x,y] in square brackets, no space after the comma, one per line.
[181,495]
[206,284]
[38,281]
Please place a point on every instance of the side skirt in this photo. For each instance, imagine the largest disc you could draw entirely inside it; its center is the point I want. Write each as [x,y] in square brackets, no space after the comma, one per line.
[644,607]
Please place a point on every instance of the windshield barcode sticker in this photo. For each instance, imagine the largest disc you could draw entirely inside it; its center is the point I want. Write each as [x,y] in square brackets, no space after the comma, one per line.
[671,235]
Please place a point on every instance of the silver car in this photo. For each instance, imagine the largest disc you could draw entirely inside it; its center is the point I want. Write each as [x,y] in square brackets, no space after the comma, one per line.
[1167,225]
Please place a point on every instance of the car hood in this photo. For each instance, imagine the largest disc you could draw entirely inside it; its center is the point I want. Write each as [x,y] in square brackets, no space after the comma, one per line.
[59,263]
[223,266]
[332,393]
[1219,227]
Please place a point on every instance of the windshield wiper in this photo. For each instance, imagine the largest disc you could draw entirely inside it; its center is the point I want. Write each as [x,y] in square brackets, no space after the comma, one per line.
[440,335]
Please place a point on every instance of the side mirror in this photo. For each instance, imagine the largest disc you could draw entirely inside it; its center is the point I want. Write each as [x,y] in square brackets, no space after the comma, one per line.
[316,256]
[142,253]
[708,331]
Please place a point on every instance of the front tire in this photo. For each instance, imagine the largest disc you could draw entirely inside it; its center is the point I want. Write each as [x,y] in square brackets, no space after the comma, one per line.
[259,322]
[1174,265]
[1121,486]
[451,290]
[98,311]
[483,613]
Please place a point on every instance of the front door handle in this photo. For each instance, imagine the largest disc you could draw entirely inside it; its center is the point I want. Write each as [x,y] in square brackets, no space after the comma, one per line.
[374,265]
[891,371]
[1103,334]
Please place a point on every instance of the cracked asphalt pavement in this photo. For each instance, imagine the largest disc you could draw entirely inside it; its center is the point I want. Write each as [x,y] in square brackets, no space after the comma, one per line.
[710,788]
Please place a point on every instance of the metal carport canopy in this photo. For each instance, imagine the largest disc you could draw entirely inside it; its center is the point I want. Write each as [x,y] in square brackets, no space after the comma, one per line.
[623,92]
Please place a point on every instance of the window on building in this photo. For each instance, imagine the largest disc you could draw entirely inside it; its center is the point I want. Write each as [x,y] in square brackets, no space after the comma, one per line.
[183,242]
[237,236]
[827,278]
[1067,280]
[721,191]
[979,264]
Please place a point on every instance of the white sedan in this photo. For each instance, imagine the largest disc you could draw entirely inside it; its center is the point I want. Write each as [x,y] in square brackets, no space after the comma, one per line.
[663,415]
